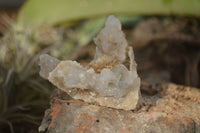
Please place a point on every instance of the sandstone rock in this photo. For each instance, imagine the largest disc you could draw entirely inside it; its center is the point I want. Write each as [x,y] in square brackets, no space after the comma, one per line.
[167,108]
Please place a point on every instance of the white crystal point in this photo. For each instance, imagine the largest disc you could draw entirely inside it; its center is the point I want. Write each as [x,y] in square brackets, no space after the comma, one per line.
[107,81]
[110,41]
[113,22]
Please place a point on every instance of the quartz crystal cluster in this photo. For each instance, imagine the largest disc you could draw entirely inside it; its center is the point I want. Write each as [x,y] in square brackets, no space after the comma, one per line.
[109,80]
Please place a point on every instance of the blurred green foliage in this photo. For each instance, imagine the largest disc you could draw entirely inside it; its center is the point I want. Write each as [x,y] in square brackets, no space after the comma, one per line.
[23,94]
[68,11]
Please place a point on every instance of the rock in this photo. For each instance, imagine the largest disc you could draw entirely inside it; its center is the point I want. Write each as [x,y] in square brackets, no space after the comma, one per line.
[111,78]
[166,108]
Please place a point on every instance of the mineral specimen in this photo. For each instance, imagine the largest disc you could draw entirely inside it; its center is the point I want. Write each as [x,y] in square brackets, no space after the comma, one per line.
[109,80]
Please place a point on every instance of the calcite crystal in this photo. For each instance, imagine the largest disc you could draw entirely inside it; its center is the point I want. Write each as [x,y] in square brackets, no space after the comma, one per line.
[109,80]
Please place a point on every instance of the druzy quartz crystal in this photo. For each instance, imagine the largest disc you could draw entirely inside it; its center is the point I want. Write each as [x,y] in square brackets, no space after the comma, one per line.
[109,80]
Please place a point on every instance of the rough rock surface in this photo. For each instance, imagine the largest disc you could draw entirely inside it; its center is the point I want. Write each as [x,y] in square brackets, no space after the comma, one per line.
[167,108]
[109,80]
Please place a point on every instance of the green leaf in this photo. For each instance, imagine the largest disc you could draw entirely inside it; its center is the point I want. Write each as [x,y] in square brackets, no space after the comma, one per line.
[53,12]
